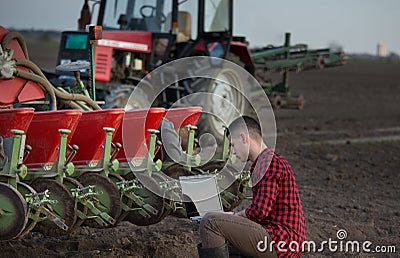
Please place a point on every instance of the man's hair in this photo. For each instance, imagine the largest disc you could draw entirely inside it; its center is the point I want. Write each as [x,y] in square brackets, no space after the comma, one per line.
[246,123]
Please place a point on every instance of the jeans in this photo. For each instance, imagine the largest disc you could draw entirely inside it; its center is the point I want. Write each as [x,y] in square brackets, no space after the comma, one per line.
[243,234]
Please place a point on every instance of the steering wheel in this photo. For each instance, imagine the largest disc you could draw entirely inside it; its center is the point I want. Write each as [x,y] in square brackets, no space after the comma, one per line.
[152,13]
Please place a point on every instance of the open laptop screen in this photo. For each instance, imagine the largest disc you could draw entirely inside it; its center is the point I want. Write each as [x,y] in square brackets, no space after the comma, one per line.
[203,191]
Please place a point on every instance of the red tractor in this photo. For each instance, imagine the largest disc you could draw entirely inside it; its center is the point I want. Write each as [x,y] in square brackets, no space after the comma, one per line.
[139,36]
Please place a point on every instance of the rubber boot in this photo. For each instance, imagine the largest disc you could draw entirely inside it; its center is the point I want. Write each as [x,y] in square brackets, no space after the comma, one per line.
[213,252]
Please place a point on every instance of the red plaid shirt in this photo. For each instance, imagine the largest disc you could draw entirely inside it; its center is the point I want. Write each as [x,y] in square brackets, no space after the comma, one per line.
[276,203]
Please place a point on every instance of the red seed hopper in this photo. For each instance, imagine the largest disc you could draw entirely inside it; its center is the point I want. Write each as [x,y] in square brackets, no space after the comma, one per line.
[16,118]
[89,135]
[134,134]
[44,136]
[182,117]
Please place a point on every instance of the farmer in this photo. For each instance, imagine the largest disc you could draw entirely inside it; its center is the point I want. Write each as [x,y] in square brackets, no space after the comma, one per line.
[275,216]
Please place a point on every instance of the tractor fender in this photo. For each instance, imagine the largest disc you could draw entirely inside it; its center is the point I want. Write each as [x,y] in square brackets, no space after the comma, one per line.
[241,50]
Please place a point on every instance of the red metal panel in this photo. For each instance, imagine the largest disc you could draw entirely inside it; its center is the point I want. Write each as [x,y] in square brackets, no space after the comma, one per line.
[103,60]
[43,135]
[241,50]
[89,135]
[182,117]
[133,134]
[17,118]
[10,89]
[31,91]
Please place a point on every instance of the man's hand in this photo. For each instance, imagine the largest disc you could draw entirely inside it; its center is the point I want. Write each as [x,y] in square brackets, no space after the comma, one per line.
[241,213]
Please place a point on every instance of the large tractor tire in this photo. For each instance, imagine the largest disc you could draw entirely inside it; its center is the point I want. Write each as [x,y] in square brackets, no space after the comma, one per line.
[120,97]
[222,102]
[212,123]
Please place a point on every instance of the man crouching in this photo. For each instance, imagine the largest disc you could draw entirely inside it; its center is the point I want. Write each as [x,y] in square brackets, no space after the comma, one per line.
[273,224]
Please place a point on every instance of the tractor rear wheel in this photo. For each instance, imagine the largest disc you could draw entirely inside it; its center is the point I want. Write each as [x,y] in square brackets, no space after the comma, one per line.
[120,97]
[224,103]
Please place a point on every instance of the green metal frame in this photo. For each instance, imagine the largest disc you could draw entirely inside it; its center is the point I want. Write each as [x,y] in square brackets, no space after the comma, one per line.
[128,188]
[13,168]
[39,203]
[285,58]
[87,195]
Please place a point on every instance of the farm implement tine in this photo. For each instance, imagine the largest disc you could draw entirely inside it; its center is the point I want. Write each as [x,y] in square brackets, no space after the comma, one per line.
[150,207]
[56,204]
[101,217]
[42,210]
[106,203]
[87,196]
[172,192]
[58,222]
[128,189]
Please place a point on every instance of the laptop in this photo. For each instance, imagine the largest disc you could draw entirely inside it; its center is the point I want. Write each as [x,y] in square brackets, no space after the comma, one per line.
[201,195]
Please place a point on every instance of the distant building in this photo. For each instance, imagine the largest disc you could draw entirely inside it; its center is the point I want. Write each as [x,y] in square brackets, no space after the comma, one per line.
[380,50]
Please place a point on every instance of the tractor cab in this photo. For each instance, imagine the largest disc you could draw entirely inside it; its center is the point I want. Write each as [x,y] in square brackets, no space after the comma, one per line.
[175,25]
[163,29]
[140,35]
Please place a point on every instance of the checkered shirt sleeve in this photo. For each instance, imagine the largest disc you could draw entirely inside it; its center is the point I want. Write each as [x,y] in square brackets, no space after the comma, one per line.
[276,202]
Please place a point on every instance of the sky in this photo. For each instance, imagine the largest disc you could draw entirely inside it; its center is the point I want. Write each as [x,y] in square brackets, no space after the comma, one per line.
[355,25]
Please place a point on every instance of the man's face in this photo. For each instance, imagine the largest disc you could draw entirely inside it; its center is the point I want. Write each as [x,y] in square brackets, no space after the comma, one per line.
[240,146]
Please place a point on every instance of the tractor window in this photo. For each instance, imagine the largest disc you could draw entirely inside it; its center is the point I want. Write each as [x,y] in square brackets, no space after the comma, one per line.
[150,15]
[144,15]
[113,10]
[191,8]
[144,8]
[216,16]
